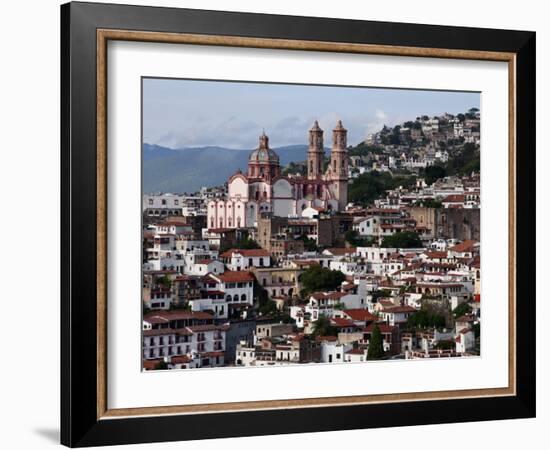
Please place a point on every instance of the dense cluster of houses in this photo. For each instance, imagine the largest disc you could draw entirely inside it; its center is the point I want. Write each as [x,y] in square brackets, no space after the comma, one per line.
[231,295]
[202,307]
[418,144]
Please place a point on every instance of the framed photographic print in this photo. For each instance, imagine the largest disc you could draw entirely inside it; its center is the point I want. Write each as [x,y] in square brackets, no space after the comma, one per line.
[277,224]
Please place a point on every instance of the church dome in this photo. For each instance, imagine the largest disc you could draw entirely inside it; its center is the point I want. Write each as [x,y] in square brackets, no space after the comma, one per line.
[263,154]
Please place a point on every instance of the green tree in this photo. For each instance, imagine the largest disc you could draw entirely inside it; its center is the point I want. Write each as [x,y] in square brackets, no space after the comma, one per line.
[373,185]
[426,319]
[380,293]
[247,244]
[445,345]
[364,149]
[464,161]
[353,238]
[429,203]
[322,327]
[317,278]
[434,173]
[165,281]
[403,239]
[161,365]
[462,309]
[376,346]
[309,244]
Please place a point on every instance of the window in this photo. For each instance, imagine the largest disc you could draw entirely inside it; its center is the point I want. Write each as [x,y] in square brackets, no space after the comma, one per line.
[243,298]
[150,201]
[163,202]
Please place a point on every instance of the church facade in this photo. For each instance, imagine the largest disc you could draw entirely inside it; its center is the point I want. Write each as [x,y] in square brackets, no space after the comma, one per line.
[262,189]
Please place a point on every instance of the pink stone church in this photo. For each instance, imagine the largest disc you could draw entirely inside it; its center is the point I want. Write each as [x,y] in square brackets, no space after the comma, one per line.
[264,190]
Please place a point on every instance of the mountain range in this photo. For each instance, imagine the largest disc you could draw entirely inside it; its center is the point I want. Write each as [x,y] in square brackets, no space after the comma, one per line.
[188,169]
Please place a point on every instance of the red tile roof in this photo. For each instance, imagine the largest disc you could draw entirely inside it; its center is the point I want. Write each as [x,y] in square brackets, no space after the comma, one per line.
[384,328]
[233,276]
[399,309]
[341,251]
[151,364]
[356,351]
[466,246]
[181,359]
[212,354]
[249,253]
[342,323]
[454,198]
[465,319]
[163,316]
[160,332]
[359,314]
[329,295]
[436,255]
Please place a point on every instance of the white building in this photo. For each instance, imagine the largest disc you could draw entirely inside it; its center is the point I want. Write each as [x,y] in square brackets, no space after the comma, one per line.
[333,351]
[207,341]
[238,287]
[240,259]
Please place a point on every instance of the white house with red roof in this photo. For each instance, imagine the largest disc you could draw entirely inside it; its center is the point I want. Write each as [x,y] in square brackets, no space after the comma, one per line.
[358,354]
[360,317]
[245,259]
[238,287]
[396,315]
[204,266]
[465,249]
[329,303]
[175,334]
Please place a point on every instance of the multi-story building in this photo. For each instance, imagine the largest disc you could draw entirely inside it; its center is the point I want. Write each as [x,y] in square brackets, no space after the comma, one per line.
[243,259]
[264,190]
[175,334]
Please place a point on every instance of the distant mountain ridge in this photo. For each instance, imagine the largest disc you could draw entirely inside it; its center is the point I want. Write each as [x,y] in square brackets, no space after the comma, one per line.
[188,169]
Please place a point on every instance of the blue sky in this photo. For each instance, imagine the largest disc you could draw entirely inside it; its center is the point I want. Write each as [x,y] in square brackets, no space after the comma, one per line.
[191,113]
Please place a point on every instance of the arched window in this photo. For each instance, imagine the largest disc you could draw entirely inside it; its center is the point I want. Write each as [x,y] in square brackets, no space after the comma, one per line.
[257,195]
[243,298]
[228,298]
[311,166]
[334,164]
[238,222]
[230,221]
[235,298]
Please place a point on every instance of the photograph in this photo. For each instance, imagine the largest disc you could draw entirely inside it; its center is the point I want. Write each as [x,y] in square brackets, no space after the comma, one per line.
[288,224]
